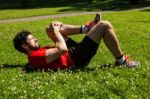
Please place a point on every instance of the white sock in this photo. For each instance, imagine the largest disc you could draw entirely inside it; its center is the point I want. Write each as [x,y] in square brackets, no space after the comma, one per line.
[121,60]
[84,29]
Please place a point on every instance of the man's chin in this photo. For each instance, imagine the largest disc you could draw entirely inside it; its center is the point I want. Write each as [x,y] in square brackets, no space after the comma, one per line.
[35,48]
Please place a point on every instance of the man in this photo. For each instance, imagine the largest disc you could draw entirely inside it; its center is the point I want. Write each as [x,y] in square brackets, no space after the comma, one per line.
[67,53]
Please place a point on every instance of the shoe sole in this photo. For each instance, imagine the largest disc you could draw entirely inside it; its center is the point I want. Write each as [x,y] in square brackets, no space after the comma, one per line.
[97,18]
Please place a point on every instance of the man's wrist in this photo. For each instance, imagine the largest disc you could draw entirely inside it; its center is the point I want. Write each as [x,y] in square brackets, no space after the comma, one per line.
[56,30]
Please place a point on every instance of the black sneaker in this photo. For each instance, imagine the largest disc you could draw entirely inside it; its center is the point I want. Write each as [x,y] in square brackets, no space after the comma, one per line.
[90,24]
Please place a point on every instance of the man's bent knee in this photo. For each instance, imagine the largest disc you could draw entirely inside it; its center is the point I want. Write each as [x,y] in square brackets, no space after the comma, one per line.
[105,24]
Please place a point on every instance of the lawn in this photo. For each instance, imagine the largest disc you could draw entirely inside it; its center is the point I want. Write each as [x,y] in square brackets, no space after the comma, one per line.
[98,80]
[19,13]
[11,13]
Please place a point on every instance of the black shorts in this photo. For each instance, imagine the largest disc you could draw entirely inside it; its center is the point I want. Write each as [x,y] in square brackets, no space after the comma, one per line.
[81,53]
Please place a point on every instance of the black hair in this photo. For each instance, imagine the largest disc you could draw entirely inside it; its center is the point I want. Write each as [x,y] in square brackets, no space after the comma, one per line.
[20,39]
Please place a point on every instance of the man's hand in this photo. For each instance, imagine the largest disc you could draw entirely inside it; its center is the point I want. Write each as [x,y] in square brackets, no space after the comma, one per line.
[53,29]
[56,25]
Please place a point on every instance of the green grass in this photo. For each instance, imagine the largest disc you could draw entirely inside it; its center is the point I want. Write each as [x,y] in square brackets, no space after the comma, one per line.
[97,81]
[68,8]
[19,13]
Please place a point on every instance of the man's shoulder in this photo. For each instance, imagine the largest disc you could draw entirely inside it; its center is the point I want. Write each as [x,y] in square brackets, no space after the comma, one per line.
[47,47]
[40,52]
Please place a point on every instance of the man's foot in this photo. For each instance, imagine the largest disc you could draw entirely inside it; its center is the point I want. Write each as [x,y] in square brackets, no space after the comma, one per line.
[87,27]
[97,18]
[92,23]
[127,62]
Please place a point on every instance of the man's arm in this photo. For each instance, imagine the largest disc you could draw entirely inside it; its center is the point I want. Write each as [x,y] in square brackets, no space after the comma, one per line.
[66,29]
[60,45]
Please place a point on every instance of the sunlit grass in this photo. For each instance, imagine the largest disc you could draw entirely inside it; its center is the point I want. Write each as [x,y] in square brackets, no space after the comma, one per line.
[132,28]
[19,13]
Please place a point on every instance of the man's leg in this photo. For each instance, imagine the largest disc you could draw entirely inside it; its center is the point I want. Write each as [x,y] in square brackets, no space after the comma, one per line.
[67,30]
[104,30]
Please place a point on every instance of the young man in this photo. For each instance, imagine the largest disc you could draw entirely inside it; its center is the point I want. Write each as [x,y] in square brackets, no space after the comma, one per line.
[67,53]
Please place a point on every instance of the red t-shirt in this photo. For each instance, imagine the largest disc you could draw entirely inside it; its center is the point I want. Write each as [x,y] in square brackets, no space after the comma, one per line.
[37,59]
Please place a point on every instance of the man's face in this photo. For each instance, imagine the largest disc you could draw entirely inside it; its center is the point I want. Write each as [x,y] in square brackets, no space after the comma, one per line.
[32,42]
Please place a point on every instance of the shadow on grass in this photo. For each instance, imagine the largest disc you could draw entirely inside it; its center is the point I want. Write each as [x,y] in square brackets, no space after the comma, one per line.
[10,66]
[142,21]
[115,5]
[26,67]
[147,10]
[88,69]
[103,6]
[110,65]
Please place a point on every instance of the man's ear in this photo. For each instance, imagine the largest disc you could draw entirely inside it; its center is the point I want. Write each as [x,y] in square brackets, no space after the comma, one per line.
[25,46]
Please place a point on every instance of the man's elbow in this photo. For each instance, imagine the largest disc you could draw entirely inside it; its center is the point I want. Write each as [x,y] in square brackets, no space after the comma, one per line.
[63,49]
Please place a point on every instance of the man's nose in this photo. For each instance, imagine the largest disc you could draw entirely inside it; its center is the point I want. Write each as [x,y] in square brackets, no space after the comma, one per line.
[35,40]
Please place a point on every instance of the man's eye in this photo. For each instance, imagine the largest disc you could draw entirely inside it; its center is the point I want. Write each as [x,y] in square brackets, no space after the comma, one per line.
[31,39]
